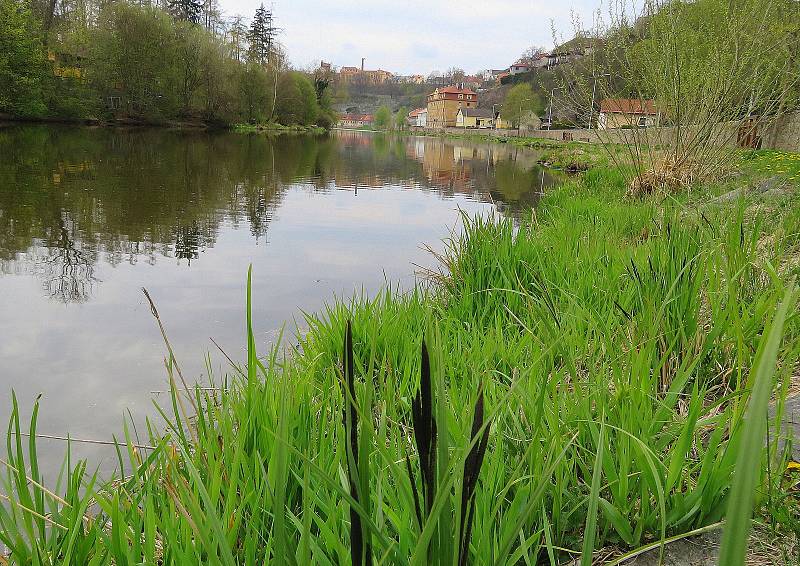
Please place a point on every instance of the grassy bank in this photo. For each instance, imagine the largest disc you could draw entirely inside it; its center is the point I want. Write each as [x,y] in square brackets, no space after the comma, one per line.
[273,128]
[603,351]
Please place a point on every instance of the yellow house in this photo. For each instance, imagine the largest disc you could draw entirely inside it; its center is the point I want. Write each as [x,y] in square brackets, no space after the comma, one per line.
[474,118]
[444,104]
[502,124]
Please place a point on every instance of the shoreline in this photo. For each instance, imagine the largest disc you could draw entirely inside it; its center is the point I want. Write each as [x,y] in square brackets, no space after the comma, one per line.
[7,121]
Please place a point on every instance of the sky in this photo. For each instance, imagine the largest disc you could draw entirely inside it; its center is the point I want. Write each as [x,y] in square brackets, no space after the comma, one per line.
[417,36]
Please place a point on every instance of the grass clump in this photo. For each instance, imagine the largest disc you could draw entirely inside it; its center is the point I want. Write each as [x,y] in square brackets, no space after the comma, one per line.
[576,383]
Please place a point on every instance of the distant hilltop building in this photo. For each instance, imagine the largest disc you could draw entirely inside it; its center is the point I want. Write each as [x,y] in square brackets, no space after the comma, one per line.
[445,102]
[574,49]
[409,79]
[361,75]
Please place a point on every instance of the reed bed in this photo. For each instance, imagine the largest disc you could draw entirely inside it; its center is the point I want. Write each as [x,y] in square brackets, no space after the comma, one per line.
[572,389]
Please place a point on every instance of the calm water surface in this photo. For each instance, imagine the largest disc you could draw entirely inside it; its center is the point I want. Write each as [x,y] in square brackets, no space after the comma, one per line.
[90,216]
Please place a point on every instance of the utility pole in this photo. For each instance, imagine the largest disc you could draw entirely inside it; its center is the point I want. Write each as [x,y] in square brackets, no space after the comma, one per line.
[594,89]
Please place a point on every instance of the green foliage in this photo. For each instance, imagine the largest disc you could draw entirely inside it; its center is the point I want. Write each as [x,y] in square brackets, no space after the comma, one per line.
[520,101]
[255,92]
[139,62]
[22,62]
[383,118]
[297,100]
[733,551]
[607,343]
[327,115]
[134,54]
[401,118]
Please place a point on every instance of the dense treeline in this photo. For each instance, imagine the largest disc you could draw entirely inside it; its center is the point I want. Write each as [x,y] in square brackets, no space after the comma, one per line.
[75,59]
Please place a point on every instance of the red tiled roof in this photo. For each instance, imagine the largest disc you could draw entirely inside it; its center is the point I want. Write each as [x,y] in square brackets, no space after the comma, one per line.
[417,112]
[627,106]
[356,118]
[455,90]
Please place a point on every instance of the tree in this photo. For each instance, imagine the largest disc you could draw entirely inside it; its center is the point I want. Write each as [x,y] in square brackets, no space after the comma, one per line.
[188,43]
[698,65]
[238,37]
[262,36]
[520,101]
[297,100]
[401,118]
[134,54]
[217,80]
[254,92]
[454,75]
[383,118]
[532,53]
[327,116]
[21,61]
[187,10]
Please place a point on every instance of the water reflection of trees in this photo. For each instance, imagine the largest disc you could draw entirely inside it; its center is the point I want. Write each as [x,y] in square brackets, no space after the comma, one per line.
[70,197]
[66,264]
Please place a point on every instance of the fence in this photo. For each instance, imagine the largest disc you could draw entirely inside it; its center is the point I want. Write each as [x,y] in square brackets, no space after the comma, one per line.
[782,134]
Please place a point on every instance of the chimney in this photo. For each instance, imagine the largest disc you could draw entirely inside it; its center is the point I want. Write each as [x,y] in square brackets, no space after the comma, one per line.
[362,64]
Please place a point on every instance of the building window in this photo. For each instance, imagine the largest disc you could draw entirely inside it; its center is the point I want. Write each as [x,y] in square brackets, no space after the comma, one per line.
[469,97]
[114,102]
[642,121]
[460,96]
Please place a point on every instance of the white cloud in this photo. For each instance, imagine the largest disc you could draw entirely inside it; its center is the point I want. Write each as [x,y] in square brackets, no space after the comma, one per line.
[416,36]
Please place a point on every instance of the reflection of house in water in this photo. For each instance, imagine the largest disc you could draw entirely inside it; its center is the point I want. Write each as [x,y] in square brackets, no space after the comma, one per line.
[508,176]
[66,169]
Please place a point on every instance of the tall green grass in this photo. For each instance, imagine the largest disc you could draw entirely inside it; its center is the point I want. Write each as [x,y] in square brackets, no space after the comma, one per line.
[583,384]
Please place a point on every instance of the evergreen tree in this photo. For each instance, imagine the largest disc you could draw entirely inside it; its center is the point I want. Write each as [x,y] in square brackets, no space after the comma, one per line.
[262,36]
[187,10]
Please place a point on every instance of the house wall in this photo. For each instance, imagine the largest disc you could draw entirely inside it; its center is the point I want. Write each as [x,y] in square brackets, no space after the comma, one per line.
[466,121]
[442,112]
[613,120]
[783,135]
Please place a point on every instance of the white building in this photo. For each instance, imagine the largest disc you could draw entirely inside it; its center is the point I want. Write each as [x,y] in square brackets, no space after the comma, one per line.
[418,118]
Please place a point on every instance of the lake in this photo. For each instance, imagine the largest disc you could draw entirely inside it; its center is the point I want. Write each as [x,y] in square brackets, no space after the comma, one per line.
[89,216]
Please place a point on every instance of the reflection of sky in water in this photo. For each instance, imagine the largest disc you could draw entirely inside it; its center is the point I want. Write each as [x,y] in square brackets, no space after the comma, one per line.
[94,358]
